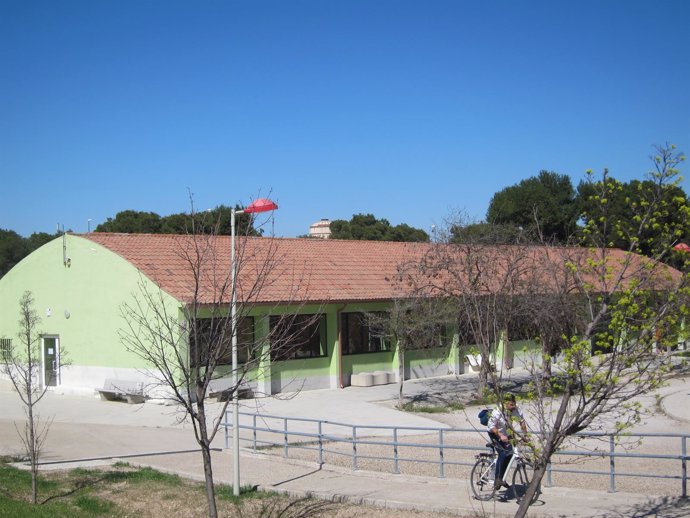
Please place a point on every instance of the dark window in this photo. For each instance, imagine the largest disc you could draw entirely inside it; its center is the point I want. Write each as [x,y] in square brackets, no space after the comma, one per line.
[360,336]
[211,333]
[428,336]
[298,336]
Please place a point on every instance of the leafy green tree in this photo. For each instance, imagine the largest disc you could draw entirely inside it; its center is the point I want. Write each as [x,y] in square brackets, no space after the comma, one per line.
[13,248]
[626,225]
[221,216]
[546,201]
[213,220]
[367,228]
[175,224]
[630,306]
[132,221]
[487,233]
[608,312]
[406,233]
[38,239]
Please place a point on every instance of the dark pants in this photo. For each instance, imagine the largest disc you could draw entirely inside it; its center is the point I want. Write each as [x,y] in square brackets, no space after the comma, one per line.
[505,452]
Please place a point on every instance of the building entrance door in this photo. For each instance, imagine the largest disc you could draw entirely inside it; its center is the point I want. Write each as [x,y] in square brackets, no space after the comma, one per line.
[51,365]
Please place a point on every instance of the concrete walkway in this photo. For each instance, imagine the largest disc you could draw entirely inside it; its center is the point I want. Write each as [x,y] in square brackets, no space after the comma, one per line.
[87,431]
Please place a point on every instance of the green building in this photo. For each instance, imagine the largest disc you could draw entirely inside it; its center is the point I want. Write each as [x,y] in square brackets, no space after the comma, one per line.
[80,284]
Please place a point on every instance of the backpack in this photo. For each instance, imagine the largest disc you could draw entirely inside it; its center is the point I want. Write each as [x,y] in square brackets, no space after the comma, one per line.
[484,416]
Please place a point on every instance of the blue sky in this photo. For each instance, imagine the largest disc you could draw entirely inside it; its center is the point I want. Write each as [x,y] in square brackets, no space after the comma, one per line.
[407,110]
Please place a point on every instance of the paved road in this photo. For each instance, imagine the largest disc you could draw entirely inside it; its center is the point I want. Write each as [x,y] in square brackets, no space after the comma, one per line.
[90,431]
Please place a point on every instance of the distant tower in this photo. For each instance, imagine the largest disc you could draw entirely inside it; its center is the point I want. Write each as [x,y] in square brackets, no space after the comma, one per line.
[320,229]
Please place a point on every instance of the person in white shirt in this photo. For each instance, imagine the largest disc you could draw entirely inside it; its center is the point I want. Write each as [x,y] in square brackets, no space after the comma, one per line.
[499,433]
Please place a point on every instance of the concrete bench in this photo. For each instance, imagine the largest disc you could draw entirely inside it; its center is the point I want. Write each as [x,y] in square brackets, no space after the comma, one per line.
[370,379]
[122,390]
[475,362]
[221,389]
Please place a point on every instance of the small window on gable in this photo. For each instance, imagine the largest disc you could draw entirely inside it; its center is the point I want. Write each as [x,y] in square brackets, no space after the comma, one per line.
[5,348]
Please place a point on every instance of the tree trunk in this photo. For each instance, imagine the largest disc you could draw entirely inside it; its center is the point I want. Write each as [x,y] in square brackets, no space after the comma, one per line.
[549,448]
[33,454]
[531,490]
[206,455]
[30,430]
[401,375]
[483,376]
[546,368]
[208,475]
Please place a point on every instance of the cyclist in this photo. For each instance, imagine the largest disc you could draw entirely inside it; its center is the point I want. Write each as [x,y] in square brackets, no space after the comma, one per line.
[498,432]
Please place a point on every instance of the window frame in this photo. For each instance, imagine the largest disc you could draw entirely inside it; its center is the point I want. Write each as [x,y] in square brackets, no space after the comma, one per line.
[366,334]
[246,341]
[316,340]
[5,349]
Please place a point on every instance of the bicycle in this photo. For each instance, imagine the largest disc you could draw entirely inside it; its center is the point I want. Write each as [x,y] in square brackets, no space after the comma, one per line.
[484,471]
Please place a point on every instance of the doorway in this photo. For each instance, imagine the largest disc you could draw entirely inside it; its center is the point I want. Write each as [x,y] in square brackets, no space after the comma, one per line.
[51,361]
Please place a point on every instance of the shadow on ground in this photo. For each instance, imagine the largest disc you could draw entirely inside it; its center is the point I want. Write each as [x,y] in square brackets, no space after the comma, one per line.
[666,507]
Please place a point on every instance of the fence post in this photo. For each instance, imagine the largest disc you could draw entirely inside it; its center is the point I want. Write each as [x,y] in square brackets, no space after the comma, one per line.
[285,435]
[396,469]
[254,434]
[684,467]
[441,473]
[320,444]
[612,464]
[354,448]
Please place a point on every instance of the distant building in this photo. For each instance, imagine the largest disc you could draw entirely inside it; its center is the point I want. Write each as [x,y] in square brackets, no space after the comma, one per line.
[321,229]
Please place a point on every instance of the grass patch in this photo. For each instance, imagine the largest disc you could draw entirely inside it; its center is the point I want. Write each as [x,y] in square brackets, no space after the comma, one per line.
[82,493]
[123,490]
[226,493]
[447,408]
[488,399]
[94,506]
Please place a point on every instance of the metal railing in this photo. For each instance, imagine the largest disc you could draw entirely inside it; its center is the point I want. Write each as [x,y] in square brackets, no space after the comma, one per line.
[324,437]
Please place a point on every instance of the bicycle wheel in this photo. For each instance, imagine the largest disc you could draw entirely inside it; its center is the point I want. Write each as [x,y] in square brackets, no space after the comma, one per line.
[482,478]
[522,476]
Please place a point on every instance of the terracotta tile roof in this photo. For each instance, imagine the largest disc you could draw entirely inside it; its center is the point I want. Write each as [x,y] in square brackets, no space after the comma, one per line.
[313,270]
[299,269]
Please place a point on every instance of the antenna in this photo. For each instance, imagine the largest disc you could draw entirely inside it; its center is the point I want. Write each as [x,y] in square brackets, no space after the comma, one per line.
[66,261]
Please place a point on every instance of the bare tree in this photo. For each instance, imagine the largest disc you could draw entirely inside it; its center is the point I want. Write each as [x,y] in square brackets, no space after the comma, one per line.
[413,323]
[483,284]
[188,348]
[22,365]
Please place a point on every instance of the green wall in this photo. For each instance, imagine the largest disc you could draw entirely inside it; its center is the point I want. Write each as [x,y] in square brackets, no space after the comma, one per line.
[80,302]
